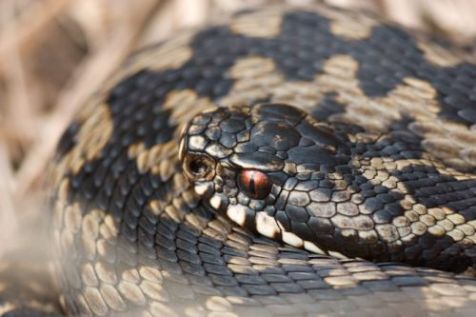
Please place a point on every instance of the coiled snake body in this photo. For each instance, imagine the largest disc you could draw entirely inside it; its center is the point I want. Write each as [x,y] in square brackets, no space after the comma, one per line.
[295,162]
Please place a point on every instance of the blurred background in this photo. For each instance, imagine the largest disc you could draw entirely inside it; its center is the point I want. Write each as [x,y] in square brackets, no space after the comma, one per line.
[55,53]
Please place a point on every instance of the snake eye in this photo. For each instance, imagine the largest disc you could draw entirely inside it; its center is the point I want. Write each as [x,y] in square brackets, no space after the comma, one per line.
[254,184]
[198,166]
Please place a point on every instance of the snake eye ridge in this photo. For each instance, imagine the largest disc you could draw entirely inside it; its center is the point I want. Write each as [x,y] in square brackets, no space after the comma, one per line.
[254,184]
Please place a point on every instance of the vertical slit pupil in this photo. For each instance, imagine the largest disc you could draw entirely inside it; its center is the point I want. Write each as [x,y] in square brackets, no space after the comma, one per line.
[252,184]
[255,184]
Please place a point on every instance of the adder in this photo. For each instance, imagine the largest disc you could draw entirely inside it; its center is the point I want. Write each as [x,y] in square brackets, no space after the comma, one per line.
[293,162]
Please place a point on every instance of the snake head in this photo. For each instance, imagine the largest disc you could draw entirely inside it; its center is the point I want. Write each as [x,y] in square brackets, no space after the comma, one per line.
[257,165]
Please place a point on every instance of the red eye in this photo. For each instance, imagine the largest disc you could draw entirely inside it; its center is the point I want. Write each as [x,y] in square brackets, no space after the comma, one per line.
[254,184]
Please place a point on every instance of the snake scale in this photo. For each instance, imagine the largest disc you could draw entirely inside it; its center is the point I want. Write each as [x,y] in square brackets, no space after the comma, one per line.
[293,162]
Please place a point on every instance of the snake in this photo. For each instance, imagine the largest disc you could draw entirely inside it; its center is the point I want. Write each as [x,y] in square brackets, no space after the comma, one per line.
[294,161]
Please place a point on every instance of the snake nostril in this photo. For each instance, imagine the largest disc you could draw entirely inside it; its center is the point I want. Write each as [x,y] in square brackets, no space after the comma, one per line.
[198,166]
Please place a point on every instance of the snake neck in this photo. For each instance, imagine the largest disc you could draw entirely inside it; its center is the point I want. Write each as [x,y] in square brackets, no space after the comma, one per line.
[389,202]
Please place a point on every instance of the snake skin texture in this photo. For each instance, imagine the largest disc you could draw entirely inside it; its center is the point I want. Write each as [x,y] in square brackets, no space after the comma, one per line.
[361,138]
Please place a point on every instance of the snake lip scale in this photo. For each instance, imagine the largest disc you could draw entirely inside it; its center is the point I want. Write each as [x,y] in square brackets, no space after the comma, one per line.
[292,162]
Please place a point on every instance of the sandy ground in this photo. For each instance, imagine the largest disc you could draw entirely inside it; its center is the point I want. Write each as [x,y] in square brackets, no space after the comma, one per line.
[55,53]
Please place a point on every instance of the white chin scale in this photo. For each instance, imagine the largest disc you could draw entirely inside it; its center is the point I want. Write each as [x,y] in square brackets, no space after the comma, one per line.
[238,213]
[295,241]
[269,227]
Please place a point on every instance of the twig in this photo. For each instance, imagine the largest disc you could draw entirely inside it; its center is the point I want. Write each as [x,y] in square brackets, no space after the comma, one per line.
[8,219]
[19,33]
[93,71]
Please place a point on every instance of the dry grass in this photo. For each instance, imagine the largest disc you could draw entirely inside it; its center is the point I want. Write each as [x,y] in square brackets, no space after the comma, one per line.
[55,53]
